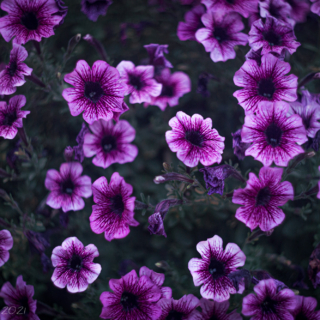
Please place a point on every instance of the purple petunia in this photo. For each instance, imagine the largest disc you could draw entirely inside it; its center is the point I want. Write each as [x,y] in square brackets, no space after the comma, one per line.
[97,92]
[11,116]
[305,308]
[315,7]
[212,270]
[272,35]
[28,20]
[194,140]
[110,143]
[114,209]
[67,187]
[6,243]
[299,9]
[261,197]
[74,267]
[19,301]
[132,298]
[278,9]
[156,55]
[221,35]
[269,303]
[13,75]
[239,147]
[139,80]
[62,10]
[273,135]
[95,8]
[266,82]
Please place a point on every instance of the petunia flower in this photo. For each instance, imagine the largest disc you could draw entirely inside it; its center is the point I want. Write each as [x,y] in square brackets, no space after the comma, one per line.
[11,116]
[114,209]
[97,92]
[74,267]
[273,135]
[278,9]
[239,147]
[221,35]
[156,55]
[269,303]
[78,150]
[267,82]
[315,7]
[132,298]
[67,187]
[62,10]
[261,197]
[305,308]
[95,8]
[28,20]
[257,55]
[13,75]
[6,243]
[299,9]
[194,140]
[212,270]
[110,143]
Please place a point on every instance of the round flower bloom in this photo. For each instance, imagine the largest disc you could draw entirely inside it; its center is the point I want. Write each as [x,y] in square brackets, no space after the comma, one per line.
[11,116]
[299,9]
[13,75]
[6,243]
[261,198]
[174,86]
[95,8]
[18,299]
[278,9]
[315,7]
[213,268]
[272,35]
[139,80]
[266,82]
[28,20]
[73,265]
[194,140]
[221,35]
[67,187]
[304,308]
[273,135]
[110,143]
[269,303]
[114,209]
[132,298]
[97,92]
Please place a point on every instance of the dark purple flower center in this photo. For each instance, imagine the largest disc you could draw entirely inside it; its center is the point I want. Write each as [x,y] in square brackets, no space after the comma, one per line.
[174,315]
[266,88]
[273,135]
[195,138]
[167,91]
[268,306]
[272,38]
[231,1]
[12,68]
[116,204]
[214,317]
[109,143]
[93,91]
[24,303]
[9,119]
[136,82]
[75,263]
[220,34]
[306,121]
[216,269]
[30,21]
[263,197]
[129,301]
[67,187]
[301,316]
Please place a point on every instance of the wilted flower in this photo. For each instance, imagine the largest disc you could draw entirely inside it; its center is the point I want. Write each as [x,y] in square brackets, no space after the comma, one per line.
[315,7]
[314,267]
[74,267]
[239,147]
[304,309]
[78,150]
[156,55]
[6,243]
[278,9]
[95,8]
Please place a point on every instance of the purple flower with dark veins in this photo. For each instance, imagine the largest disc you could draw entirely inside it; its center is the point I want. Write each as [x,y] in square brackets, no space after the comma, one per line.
[315,7]
[156,55]
[299,9]
[278,9]
[110,143]
[18,299]
[261,198]
[116,115]
[11,116]
[257,55]
[67,187]
[114,209]
[28,20]
[95,8]
[74,267]
[269,303]
[132,298]
[97,92]
[266,82]
[239,147]
[212,270]
[78,150]
[221,35]
[6,243]
[305,309]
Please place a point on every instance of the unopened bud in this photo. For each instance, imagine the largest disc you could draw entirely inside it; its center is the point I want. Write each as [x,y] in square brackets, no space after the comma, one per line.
[68,154]
[172,176]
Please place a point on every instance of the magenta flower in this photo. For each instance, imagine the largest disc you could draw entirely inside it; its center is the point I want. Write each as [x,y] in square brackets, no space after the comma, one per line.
[28,20]
[74,267]
[110,143]
[299,9]
[272,35]
[19,301]
[117,115]
[114,209]
[156,55]
[315,7]
[95,8]
[62,10]
[221,35]
[187,30]
[174,86]
[273,135]
[212,270]
[157,279]
[257,55]
[132,298]
[304,308]
[264,83]
[278,9]
[139,80]
[6,243]
[269,303]
[194,140]
[67,187]
[97,92]
[11,116]
[13,75]
[261,198]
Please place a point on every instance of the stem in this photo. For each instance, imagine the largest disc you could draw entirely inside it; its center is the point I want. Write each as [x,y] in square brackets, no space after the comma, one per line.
[35,80]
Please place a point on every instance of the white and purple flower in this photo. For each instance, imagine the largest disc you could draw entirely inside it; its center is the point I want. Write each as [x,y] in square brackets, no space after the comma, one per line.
[6,243]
